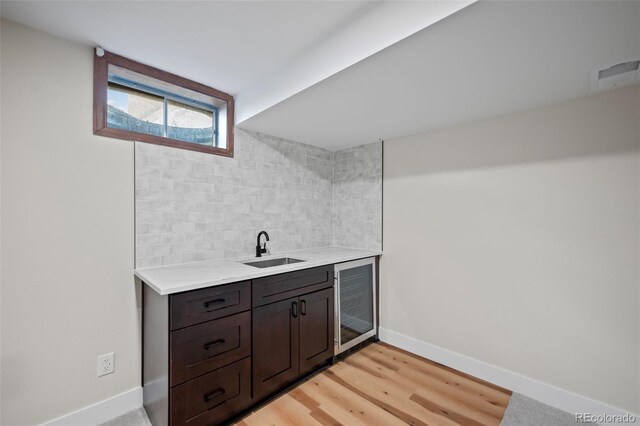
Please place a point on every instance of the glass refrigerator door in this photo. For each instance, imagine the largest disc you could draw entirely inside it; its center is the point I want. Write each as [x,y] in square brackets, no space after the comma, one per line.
[357,304]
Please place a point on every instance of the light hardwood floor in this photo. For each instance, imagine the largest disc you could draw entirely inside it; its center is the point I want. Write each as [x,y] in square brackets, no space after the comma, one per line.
[383,385]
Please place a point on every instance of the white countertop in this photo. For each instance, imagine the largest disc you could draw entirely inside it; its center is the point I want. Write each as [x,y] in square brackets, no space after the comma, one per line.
[191,276]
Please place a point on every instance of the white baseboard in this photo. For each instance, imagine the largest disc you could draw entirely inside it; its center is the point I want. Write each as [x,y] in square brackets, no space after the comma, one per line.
[556,397]
[102,411]
[562,399]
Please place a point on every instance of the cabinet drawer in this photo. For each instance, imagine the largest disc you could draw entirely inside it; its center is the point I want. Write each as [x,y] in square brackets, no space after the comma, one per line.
[201,348]
[214,397]
[194,307]
[280,287]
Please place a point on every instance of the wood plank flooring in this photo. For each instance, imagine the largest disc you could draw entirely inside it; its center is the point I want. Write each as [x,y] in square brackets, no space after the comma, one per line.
[384,385]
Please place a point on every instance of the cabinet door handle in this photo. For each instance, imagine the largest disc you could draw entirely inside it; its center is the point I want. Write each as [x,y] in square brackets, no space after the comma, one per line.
[213,395]
[294,309]
[303,307]
[213,302]
[210,345]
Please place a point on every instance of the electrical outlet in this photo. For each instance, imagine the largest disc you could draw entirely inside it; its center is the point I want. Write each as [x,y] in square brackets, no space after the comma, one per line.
[106,364]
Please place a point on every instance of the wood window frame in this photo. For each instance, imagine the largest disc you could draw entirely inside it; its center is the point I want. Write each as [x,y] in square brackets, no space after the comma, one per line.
[100,82]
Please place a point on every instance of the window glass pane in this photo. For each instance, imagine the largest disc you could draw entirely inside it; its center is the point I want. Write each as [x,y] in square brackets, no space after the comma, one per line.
[142,107]
[189,124]
[221,127]
[131,109]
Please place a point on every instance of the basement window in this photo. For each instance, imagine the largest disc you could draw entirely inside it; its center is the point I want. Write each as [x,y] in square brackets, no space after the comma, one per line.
[137,102]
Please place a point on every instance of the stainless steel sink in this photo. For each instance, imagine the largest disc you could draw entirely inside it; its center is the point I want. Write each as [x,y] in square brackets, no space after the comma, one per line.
[273,262]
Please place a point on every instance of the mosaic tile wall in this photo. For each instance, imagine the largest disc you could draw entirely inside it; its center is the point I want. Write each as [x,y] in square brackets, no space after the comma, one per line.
[193,206]
[357,197]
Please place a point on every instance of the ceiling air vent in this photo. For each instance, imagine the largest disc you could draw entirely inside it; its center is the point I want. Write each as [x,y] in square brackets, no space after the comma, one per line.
[616,75]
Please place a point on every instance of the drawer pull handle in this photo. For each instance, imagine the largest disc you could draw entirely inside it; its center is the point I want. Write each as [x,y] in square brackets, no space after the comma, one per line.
[213,302]
[294,309]
[210,345]
[303,307]
[213,395]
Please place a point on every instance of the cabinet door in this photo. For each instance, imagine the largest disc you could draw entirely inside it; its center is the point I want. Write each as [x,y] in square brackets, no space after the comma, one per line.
[316,329]
[275,346]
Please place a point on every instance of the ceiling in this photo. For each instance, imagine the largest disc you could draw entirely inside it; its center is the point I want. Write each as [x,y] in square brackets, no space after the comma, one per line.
[226,44]
[342,73]
[491,58]
[262,52]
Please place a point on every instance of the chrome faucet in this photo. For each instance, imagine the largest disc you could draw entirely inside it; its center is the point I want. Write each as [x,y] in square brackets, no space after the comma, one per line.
[259,250]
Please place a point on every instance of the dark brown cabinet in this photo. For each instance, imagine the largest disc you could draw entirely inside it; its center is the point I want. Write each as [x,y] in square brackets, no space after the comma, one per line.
[316,329]
[284,286]
[214,397]
[291,337]
[194,307]
[197,355]
[212,353]
[205,347]
[275,346]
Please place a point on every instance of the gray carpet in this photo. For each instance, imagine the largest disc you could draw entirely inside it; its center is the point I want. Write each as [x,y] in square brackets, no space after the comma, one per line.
[523,411]
[132,418]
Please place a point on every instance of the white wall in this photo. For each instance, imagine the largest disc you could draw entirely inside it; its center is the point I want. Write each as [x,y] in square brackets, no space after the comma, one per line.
[68,293]
[515,241]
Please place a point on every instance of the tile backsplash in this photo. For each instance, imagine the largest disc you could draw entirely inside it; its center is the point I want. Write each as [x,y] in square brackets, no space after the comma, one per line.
[193,206]
[357,197]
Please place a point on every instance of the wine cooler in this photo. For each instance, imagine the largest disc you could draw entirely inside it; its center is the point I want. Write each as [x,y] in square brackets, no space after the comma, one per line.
[355,301]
